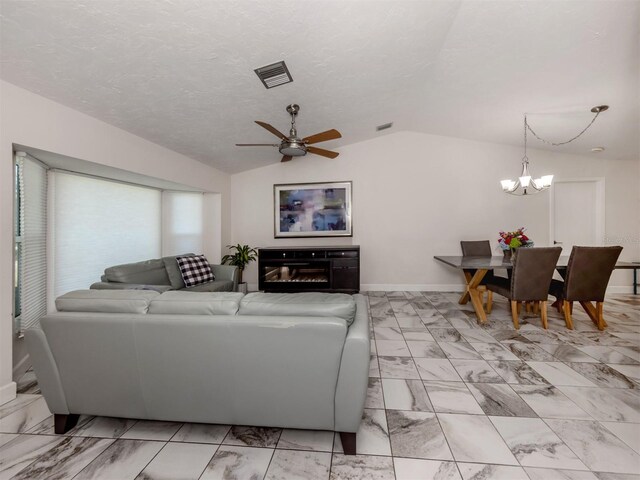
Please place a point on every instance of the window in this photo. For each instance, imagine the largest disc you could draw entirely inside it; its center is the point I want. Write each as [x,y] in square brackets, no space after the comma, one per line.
[99,223]
[91,224]
[17,253]
[30,251]
[182,223]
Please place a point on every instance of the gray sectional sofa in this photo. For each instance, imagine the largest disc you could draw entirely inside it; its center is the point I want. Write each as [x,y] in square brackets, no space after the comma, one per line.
[163,274]
[277,360]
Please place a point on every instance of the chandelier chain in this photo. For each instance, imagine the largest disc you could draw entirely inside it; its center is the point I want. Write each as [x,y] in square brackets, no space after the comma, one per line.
[557,144]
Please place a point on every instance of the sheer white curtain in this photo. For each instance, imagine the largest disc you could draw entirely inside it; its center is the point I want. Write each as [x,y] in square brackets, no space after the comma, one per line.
[32,245]
[182,223]
[99,223]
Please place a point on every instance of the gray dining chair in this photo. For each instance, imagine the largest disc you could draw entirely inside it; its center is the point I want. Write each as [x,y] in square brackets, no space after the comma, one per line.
[477,248]
[585,281]
[530,279]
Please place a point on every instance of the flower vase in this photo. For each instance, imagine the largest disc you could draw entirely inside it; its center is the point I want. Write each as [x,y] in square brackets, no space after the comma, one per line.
[507,254]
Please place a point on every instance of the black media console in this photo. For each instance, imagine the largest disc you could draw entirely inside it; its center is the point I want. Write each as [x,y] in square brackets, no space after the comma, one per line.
[306,269]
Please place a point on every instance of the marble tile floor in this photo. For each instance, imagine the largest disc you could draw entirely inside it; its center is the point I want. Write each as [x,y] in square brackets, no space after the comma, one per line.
[447,399]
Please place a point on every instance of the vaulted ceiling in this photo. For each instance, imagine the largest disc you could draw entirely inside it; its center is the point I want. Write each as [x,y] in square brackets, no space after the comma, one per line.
[180,73]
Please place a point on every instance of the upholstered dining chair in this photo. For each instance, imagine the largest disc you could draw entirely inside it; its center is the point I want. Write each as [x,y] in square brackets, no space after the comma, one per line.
[585,281]
[477,248]
[530,280]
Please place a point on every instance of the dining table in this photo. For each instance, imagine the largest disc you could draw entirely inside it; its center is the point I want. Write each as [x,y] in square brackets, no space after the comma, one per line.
[482,264]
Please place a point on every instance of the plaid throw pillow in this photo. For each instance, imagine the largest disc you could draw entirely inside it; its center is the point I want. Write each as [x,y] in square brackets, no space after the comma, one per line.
[195,270]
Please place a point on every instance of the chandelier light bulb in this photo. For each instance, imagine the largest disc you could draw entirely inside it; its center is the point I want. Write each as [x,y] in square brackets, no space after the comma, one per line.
[507,184]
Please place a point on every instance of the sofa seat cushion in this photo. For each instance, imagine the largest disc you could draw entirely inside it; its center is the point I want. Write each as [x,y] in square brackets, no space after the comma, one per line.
[149,272]
[106,301]
[196,303]
[215,286]
[313,304]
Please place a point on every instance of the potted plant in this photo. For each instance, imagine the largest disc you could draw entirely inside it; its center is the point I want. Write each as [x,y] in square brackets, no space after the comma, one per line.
[510,241]
[241,257]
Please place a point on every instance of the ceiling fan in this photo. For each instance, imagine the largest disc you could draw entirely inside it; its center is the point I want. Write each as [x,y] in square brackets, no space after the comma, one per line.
[293,146]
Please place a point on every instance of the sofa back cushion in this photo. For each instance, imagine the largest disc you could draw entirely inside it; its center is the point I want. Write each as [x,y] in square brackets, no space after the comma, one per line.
[106,301]
[173,271]
[149,272]
[312,304]
[196,303]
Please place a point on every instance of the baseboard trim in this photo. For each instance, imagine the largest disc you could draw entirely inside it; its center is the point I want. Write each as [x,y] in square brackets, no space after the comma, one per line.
[21,367]
[426,287]
[8,392]
[619,289]
[409,287]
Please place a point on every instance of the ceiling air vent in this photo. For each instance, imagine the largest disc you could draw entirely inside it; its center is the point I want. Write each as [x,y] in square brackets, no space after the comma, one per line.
[274,75]
[384,126]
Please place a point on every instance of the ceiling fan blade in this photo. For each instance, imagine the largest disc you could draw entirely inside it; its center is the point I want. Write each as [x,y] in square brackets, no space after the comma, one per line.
[256,144]
[273,130]
[286,158]
[322,137]
[322,152]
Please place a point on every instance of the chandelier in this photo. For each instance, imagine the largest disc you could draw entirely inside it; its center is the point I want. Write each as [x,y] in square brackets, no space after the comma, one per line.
[526,184]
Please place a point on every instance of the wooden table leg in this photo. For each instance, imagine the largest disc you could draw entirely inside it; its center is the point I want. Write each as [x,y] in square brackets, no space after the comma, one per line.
[474,293]
[465,296]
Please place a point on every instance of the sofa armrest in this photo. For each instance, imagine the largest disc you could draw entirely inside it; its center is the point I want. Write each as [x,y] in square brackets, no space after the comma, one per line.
[226,272]
[46,371]
[353,379]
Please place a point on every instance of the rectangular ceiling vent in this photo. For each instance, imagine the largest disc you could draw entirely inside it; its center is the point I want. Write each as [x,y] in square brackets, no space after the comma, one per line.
[274,75]
[384,126]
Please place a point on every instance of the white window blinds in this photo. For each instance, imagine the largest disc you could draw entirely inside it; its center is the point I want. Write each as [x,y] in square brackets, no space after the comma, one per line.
[32,244]
[182,225]
[98,224]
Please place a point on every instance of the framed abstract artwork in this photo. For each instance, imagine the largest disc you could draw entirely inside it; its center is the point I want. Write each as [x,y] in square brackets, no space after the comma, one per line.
[312,210]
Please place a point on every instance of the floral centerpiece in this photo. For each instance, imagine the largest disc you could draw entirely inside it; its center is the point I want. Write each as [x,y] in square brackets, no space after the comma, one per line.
[510,241]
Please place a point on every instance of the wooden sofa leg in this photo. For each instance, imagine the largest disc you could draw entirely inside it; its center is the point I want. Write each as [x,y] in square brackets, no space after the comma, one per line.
[348,442]
[489,301]
[64,423]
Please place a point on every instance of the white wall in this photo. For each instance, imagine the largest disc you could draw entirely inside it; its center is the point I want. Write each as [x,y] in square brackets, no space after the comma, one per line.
[417,195]
[31,120]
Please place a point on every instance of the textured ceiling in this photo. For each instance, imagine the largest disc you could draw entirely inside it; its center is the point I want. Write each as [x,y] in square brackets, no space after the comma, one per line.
[180,73]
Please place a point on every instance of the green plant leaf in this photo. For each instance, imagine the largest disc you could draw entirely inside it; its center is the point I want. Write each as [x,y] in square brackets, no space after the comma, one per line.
[243,255]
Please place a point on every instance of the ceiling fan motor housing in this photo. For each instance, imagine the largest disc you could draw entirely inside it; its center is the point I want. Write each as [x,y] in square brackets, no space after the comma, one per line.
[293,147]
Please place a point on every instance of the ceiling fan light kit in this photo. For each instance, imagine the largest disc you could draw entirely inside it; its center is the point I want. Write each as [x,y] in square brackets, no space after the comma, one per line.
[526,184]
[294,146]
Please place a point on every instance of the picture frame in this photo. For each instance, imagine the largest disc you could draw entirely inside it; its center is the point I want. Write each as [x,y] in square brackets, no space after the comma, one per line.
[320,209]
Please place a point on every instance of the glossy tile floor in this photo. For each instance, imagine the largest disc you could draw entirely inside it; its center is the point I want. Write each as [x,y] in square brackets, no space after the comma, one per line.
[447,400]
